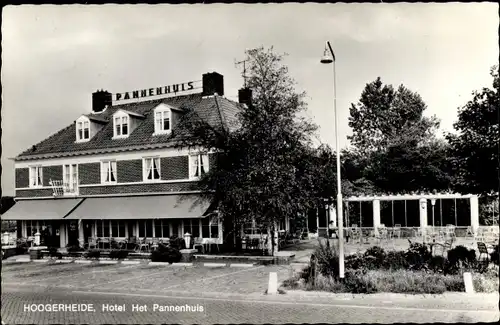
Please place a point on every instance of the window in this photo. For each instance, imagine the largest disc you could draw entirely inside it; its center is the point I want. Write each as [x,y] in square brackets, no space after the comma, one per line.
[192,226]
[70,178]
[163,122]
[162,228]
[121,126]
[117,228]
[198,165]
[108,172]
[102,228]
[151,169]
[209,228]
[83,130]
[145,228]
[36,176]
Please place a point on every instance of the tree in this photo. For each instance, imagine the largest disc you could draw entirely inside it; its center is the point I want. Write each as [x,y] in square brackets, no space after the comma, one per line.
[394,146]
[383,114]
[266,167]
[474,148]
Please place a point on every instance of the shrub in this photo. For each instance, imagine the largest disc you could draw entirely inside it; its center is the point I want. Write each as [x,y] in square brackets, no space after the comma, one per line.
[93,254]
[494,256]
[118,254]
[177,243]
[73,248]
[395,261]
[166,254]
[326,259]
[54,253]
[356,281]
[418,256]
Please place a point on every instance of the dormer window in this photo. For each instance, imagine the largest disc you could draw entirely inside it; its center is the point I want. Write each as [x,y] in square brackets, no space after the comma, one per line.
[121,126]
[163,120]
[88,126]
[83,131]
[124,123]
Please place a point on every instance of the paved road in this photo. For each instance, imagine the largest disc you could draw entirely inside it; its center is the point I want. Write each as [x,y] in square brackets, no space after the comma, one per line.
[226,295]
[225,308]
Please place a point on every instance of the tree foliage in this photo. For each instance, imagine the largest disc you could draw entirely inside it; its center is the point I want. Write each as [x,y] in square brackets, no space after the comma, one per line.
[474,148]
[394,149]
[383,114]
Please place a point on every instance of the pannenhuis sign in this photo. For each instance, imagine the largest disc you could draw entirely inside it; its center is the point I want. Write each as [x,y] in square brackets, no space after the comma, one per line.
[157,91]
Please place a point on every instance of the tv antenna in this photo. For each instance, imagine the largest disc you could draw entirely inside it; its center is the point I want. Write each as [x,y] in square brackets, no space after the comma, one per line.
[244,74]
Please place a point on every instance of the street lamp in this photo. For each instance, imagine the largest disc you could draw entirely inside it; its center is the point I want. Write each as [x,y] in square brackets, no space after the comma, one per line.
[433,202]
[329,57]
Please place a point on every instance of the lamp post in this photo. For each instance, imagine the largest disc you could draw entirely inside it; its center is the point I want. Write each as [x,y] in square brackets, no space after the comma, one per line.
[329,57]
[433,202]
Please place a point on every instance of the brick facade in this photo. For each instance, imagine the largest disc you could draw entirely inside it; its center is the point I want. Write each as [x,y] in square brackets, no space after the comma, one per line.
[52,172]
[89,173]
[40,192]
[174,168]
[128,171]
[22,177]
[139,188]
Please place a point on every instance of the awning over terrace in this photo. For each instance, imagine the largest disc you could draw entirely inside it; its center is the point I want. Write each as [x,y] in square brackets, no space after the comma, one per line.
[51,209]
[142,207]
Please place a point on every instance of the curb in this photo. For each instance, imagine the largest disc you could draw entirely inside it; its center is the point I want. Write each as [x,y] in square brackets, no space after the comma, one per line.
[83,261]
[214,264]
[132,262]
[241,265]
[107,262]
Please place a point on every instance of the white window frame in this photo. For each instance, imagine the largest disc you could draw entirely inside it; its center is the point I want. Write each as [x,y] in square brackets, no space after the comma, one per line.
[145,168]
[111,170]
[35,176]
[195,169]
[120,119]
[82,124]
[71,184]
[165,113]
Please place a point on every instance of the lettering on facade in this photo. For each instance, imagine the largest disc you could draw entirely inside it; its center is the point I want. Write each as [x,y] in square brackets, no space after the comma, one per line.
[164,90]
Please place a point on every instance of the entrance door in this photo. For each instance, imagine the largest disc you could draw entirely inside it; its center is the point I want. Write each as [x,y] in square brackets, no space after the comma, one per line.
[87,230]
[73,233]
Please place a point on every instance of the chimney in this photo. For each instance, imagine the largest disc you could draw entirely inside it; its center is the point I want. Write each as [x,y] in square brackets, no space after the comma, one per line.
[213,83]
[100,100]
[245,96]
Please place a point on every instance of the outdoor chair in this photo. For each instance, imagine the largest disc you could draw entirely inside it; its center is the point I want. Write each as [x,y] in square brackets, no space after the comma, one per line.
[154,244]
[142,245]
[92,243]
[383,234]
[198,242]
[483,250]
[470,233]
[444,247]
[396,232]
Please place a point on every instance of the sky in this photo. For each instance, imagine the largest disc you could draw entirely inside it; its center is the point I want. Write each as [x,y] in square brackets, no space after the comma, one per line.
[54,57]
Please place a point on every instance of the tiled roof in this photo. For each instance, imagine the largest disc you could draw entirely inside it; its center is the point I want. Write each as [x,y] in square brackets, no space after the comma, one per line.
[215,110]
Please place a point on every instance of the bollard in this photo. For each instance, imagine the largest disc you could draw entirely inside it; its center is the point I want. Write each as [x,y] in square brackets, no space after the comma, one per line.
[272,288]
[469,287]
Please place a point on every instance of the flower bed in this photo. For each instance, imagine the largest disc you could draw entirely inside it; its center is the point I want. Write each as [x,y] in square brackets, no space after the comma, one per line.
[413,271]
